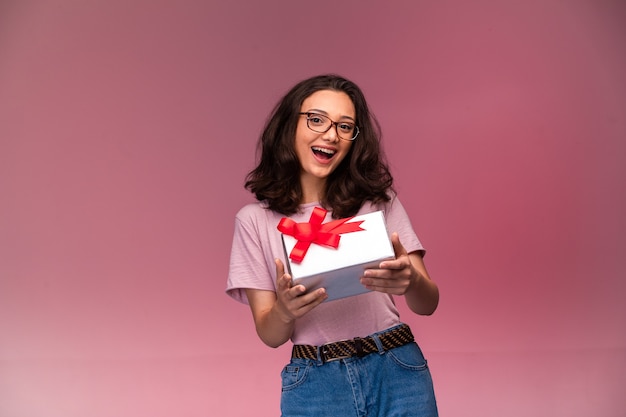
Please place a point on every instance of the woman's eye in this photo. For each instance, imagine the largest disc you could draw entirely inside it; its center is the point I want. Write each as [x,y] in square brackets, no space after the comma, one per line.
[316,119]
[346,127]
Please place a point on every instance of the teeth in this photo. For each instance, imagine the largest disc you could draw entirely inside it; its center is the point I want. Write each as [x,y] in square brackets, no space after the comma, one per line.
[326,151]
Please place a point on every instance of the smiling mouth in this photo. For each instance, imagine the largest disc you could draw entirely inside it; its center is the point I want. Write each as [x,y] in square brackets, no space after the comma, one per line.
[323,153]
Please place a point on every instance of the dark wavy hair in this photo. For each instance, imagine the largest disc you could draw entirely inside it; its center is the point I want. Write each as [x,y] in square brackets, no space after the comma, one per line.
[363,174]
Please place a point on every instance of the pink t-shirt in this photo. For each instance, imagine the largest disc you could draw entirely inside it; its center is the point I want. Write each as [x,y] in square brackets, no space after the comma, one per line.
[257,242]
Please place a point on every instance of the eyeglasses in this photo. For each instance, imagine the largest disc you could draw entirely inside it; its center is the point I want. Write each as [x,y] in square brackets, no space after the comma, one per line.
[322,124]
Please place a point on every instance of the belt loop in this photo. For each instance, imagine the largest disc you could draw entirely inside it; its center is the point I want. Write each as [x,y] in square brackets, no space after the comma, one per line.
[358,345]
[379,344]
[320,355]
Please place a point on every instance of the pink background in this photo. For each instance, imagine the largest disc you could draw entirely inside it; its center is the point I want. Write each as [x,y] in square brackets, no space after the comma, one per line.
[126,130]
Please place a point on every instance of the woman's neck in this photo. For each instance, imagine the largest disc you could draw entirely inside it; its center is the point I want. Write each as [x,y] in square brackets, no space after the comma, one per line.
[312,190]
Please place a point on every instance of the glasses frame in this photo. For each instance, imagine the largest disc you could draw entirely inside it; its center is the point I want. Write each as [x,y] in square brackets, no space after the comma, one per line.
[332,122]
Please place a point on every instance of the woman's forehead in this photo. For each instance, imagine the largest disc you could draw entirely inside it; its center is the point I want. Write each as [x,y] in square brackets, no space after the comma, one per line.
[331,102]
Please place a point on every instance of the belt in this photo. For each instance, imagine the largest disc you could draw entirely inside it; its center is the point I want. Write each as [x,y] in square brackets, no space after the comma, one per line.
[343,349]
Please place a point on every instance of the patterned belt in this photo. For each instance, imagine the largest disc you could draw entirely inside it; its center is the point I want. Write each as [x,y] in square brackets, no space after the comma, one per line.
[343,349]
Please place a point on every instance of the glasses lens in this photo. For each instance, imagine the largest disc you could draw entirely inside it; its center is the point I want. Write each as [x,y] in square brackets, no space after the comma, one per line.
[318,123]
[346,130]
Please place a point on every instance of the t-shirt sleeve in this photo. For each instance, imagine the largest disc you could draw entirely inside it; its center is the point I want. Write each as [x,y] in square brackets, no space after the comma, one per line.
[398,221]
[248,265]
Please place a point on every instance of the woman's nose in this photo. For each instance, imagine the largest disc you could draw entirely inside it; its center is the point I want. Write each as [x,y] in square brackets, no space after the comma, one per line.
[331,134]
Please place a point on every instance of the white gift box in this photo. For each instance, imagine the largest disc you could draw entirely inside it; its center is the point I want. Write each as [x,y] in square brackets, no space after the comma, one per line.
[339,270]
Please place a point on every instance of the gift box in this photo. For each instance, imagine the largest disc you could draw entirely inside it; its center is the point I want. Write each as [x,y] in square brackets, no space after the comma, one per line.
[333,255]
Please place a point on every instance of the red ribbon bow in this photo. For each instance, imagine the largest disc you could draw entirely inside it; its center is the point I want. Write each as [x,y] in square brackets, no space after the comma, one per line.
[314,231]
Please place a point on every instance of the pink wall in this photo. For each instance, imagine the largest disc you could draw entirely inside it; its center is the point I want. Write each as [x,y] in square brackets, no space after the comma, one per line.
[126,129]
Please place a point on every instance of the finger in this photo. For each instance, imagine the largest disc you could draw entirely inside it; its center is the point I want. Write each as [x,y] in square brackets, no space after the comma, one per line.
[284,283]
[297,290]
[280,268]
[383,286]
[314,298]
[400,252]
[283,280]
[372,283]
[398,249]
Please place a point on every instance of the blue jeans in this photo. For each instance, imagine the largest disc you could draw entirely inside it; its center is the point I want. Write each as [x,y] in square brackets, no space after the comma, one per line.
[395,383]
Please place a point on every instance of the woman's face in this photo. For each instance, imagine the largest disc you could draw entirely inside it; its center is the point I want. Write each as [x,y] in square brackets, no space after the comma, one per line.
[320,153]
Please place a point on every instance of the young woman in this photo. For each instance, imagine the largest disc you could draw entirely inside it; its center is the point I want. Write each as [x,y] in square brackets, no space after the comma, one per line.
[352,356]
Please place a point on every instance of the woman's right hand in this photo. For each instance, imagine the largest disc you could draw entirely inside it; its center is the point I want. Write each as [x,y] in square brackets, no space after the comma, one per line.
[275,313]
[292,301]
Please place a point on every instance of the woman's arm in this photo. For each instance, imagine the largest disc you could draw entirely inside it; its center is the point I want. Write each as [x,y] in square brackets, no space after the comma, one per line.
[422,296]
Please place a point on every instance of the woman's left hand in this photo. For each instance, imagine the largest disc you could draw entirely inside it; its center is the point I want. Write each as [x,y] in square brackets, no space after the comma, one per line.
[393,276]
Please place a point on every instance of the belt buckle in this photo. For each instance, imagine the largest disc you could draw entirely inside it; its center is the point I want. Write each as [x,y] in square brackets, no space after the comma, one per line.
[324,351]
